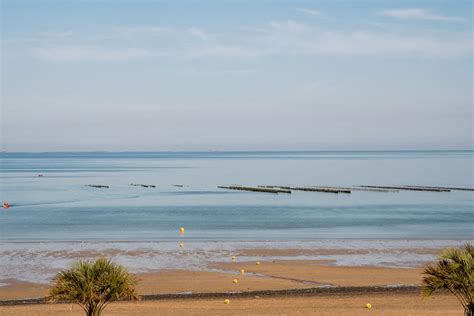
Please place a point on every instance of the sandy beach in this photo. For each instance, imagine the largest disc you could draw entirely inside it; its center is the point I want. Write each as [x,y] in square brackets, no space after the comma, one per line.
[316,278]
[268,275]
[392,305]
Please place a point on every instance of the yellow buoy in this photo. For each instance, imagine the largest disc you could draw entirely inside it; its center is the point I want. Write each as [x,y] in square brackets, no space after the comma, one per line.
[242,271]
[235,281]
[257,263]
[368,306]
[181,230]
[226,301]
[233,258]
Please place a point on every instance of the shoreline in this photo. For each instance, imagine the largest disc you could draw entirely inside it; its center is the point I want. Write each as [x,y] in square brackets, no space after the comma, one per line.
[311,279]
[44,259]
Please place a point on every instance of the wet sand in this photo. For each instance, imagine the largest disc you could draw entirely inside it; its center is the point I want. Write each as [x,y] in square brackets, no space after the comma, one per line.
[310,271]
[172,281]
[292,252]
[269,275]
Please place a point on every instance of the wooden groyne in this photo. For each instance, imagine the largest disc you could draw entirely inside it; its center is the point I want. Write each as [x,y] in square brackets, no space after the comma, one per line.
[407,188]
[308,189]
[256,189]
[354,188]
[99,186]
[143,185]
[444,188]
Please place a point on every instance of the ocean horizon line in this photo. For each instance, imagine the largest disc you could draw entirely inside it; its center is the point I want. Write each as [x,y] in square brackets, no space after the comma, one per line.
[233,151]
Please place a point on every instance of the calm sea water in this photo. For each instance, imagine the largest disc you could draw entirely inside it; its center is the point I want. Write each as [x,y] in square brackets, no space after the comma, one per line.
[58,206]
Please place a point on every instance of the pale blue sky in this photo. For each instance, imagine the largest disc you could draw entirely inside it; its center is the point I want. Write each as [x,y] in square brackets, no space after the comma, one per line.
[236,75]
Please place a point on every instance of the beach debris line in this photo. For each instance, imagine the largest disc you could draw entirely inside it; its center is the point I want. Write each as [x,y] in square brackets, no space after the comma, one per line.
[143,185]
[99,186]
[255,189]
[407,188]
[310,189]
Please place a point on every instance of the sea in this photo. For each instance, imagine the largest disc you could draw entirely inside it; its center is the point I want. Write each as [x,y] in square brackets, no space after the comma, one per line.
[54,212]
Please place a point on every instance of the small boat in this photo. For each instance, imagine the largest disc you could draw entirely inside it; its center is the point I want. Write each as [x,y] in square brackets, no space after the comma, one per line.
[6,205]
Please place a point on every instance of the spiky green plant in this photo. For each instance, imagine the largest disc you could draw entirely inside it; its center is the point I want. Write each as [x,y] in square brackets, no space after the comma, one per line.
[93,285]
[454,272]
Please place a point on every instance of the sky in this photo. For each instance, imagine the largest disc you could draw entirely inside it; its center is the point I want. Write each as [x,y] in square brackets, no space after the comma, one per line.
[236,75]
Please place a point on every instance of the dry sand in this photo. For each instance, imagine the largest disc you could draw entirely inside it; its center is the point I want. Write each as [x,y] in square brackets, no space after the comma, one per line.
[387,305]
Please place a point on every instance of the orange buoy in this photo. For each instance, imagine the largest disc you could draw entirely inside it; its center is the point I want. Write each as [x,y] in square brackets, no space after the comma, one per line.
[6,205]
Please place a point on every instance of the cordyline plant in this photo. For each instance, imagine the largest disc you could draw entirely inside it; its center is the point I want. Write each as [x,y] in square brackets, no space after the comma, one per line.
[454,272]
[93,285]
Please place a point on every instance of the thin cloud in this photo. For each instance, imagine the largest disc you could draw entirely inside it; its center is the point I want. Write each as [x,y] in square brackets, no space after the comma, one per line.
[200,33]
[146,29]
[308,11]
[288,25]
[306,40]
[226,51]
[282,38]
[373,43]
[239,71]
[418,14]
[57,35]
[193,31]
[49,36]
[93,53]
